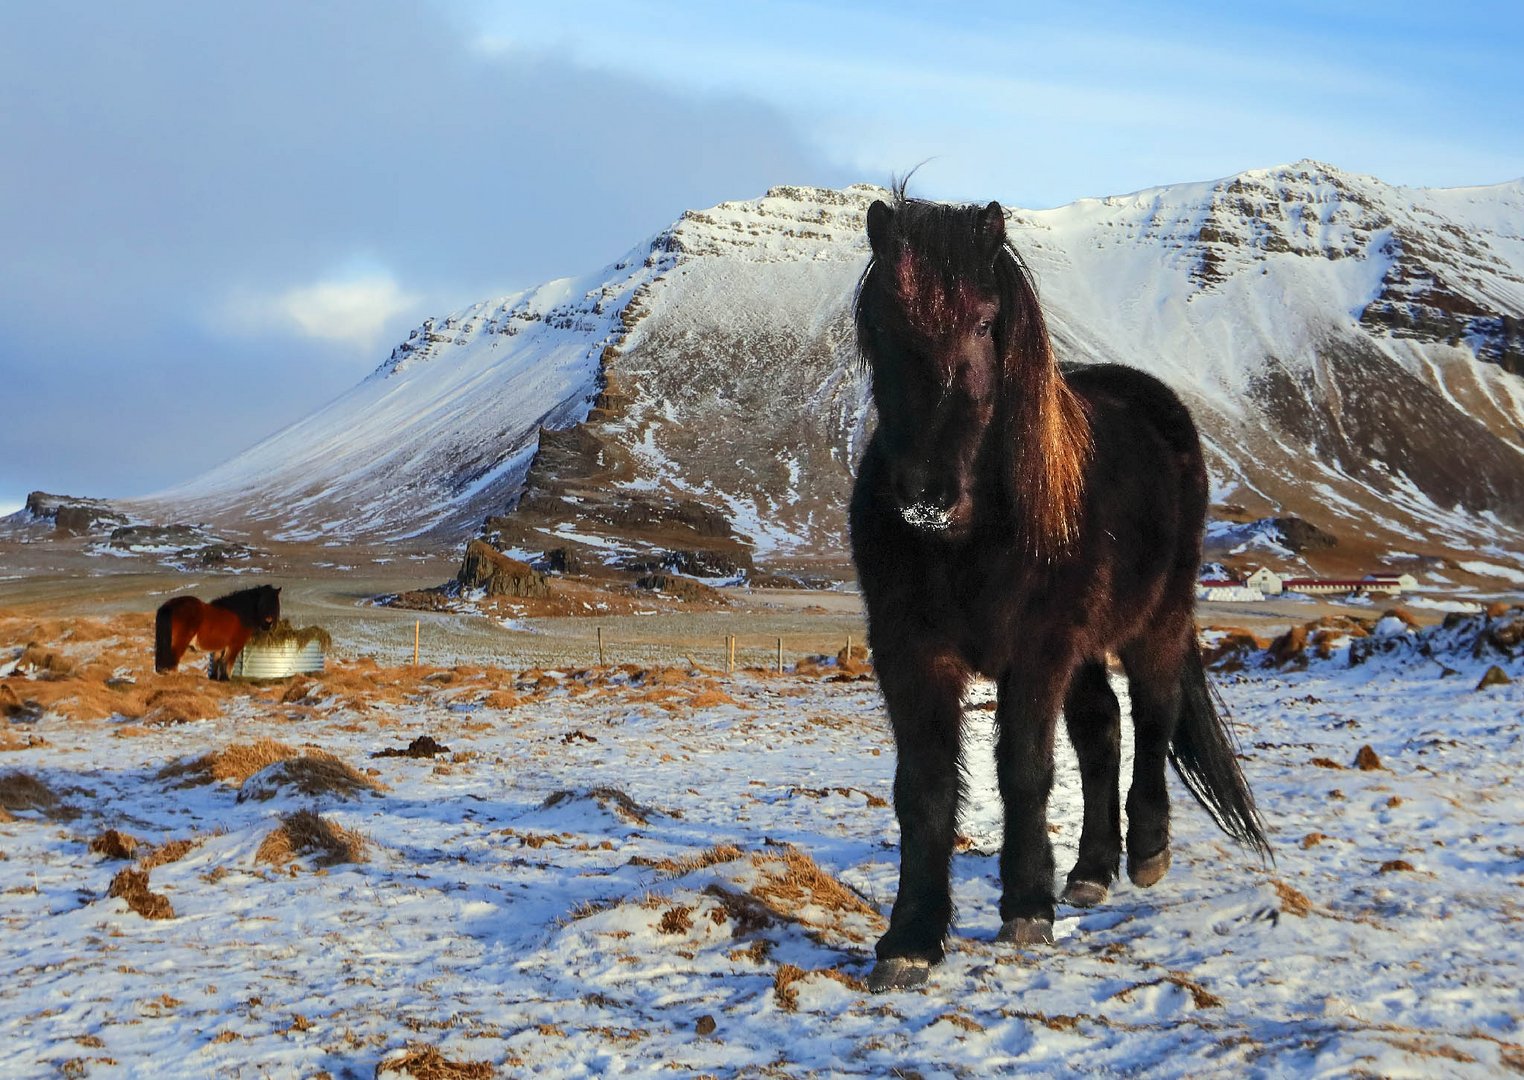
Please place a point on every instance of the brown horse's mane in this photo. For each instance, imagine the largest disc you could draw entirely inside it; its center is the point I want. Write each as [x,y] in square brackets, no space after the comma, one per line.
[941,262]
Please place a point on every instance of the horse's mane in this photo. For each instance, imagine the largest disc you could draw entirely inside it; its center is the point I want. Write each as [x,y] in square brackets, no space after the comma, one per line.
[943,248]
[244,600]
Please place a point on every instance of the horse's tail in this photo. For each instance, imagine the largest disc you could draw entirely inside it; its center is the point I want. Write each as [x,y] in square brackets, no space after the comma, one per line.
[163,637]
[1202,753]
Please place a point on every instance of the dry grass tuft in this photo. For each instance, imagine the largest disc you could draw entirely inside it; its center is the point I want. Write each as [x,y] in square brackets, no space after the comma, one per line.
[21,791]
[676,920]
[720,853]
[132,885]
[168,706]
[43,663]
[793,881]
[1367,760]
[611,799]
[1293,902]
[308,833]
[747,913]
[15,740]
[170,851]
[312,774]
[114,845]
[427,1063]
[785,993]
[235,763]
[786,978]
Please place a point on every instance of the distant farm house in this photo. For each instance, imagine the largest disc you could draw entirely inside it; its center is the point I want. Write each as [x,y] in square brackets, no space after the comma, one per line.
[1265,582]
[1370,584]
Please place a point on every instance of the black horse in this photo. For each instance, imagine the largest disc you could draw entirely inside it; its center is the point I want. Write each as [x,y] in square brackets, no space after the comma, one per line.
[1023,524]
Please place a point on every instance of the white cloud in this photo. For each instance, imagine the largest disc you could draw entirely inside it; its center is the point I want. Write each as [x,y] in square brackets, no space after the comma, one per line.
[354,312]
[350,311]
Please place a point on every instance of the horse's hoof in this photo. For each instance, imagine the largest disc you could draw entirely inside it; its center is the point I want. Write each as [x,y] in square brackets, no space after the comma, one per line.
[898,973]
[1146,872]
[1020,931]
[1084,893]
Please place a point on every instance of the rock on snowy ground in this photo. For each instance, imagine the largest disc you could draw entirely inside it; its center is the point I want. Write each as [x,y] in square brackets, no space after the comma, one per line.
[641,870]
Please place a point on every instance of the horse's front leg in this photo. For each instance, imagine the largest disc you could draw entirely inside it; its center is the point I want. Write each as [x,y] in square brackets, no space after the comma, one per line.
[1026,716]
[923,690]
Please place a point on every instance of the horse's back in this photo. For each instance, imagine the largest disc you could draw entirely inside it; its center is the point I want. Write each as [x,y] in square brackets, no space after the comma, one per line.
[1109,387]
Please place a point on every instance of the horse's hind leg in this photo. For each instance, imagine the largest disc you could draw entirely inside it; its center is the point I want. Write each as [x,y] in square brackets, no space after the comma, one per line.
[1153,679]
[924,694]
[1094,720]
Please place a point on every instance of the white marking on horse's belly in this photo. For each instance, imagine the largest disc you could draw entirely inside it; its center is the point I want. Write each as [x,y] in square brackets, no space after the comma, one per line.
[926,516]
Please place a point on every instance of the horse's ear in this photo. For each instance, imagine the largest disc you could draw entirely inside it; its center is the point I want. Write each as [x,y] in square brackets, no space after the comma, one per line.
[880,219]
[991,228]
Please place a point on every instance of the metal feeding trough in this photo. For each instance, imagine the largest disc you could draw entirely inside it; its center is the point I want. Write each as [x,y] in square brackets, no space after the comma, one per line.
[281,652]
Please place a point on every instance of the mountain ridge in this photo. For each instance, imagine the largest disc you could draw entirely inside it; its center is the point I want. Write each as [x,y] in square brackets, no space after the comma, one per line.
[1352,348]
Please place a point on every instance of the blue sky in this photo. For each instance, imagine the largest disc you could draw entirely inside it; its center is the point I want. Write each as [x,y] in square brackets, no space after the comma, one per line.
[218,216]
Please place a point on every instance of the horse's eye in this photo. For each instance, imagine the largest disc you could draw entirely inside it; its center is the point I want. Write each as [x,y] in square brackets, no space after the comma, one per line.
[983,329]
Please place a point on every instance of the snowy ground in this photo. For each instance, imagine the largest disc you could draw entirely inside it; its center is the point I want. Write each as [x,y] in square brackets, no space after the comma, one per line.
[524,900]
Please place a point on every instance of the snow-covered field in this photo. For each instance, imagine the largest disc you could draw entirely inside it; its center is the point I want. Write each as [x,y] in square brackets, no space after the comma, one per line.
[642,873]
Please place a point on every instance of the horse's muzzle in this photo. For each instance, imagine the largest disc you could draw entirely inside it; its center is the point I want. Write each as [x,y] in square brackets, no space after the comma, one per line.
[925,516]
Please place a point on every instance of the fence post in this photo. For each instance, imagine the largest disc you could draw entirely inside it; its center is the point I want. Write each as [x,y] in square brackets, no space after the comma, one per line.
[417,624]
[600,646]
[780,656]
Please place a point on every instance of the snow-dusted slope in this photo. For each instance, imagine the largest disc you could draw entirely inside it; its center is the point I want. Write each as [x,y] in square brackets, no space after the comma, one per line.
[442,429]
[1353,350]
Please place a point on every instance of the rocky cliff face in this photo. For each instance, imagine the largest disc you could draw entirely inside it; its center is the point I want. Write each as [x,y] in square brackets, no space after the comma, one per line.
[1352,349]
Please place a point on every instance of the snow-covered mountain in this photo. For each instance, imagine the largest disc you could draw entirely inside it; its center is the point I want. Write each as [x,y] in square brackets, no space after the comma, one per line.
[1354,351]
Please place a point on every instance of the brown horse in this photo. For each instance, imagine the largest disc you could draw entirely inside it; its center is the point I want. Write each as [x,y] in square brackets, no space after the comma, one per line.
[222,627]
[1023,524]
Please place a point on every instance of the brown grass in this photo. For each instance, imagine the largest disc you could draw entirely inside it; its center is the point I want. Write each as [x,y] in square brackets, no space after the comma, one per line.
[314,773]
[793,881]
[308,833]
[785,993]
[170,851]
[786,978]
[21,791]
[132,885]
[676,920]
[1293,902]
[611,799]
[179,705]
[427,1063]
[114,845]
[235,763]
[720,853]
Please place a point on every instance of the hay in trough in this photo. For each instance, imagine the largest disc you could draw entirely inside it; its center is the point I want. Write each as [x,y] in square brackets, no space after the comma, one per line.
[283,633]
